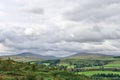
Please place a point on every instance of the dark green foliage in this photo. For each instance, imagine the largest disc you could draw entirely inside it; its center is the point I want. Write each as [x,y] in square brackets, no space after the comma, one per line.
[116,57]
[51,62]
[109,76]
[30,76]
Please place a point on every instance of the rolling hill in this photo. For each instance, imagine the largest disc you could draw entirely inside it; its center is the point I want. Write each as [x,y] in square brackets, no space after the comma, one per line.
[28,56]
[89,56]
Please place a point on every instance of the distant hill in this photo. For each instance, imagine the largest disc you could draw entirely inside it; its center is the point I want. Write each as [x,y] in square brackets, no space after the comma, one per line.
[28,56]
[89,56]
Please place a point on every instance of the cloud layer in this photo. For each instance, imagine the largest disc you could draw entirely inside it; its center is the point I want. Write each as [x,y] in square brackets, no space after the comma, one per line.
[59,27]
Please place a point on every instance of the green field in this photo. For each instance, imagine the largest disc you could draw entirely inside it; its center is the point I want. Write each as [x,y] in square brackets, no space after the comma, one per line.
[90,73]
[59,69]
[115,64]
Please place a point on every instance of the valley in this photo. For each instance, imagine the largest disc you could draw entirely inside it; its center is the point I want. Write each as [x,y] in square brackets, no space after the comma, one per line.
[86,66]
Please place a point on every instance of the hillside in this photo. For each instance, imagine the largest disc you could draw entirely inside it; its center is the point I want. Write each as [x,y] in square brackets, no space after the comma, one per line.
[27,56]
[89,56]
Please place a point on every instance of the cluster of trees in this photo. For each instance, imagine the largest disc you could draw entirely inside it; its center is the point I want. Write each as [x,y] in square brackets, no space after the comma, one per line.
[116,57]
[88,65]
[106,76]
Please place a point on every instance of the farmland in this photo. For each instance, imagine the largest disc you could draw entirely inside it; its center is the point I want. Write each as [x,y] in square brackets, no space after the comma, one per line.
[90,73]
[60,69]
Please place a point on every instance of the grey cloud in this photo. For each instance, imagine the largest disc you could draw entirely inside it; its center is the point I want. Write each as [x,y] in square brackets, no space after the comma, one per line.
[95,11]
[116,43]
[13,40]
[89,35]
[97,28]
[36,11]
[46,37]
[55,42]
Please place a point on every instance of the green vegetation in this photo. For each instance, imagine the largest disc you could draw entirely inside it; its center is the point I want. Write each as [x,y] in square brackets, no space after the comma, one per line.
[90,73]
[65,69]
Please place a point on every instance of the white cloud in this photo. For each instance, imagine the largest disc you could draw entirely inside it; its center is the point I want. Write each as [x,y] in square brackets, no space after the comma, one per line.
[59,27]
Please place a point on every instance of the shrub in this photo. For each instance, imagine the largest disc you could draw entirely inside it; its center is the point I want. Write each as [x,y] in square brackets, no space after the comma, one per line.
[30,76]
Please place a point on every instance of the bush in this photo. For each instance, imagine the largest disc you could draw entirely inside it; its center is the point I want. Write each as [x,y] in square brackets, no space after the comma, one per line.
[30,76]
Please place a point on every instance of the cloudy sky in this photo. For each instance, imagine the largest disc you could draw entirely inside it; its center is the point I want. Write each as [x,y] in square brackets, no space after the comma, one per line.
[59,27]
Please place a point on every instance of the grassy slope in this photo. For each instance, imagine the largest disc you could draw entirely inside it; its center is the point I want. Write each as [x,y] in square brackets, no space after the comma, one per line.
[91,57]
[115,64]
[21,59]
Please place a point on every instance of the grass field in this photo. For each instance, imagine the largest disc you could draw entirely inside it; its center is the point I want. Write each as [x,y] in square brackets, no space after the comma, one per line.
[115,64]
[90,73]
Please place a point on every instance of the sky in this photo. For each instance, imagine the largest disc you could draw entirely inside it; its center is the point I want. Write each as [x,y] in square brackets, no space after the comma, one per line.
[59,27]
